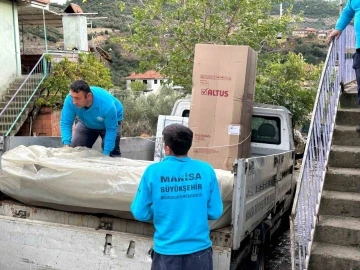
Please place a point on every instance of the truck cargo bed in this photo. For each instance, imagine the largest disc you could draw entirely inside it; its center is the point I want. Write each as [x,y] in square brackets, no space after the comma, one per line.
[42,238]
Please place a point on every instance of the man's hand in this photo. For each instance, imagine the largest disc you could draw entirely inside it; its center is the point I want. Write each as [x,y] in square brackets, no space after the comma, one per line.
[66,145]
[334,34]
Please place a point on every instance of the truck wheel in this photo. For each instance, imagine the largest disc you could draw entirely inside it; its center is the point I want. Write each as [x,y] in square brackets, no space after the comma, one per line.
[261,259]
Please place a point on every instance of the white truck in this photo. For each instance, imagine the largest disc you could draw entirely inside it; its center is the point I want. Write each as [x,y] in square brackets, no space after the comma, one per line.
[42,238]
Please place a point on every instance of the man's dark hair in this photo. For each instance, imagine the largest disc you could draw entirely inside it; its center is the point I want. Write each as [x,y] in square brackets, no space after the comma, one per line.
[80,85]
[178,138]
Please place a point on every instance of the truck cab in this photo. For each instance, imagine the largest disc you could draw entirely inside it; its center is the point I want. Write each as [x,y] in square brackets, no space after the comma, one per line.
[271,127]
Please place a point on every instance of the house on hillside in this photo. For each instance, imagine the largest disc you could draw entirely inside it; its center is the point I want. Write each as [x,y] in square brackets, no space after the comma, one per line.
[304,32]
[152,79]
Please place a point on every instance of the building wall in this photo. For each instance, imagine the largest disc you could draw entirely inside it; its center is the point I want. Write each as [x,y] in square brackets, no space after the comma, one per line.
[75,32]
[10,65]
[47,123]
[150,84]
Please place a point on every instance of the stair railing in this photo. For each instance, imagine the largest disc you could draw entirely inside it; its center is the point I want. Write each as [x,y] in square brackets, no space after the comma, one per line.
[19,101]
[337,71]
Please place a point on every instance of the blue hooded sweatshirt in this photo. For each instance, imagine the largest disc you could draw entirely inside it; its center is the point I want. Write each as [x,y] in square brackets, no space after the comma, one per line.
[351,10]
[180,195]
[104,114]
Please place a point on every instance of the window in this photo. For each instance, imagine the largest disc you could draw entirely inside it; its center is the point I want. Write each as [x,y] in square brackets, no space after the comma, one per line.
[144,81]
[186,113]
[155,81]
[266,129]
[132,80]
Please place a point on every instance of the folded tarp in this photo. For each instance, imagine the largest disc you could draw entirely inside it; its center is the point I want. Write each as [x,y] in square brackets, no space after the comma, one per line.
[83,180]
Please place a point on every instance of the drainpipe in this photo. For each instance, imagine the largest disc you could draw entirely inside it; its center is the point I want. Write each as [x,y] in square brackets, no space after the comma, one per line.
[15,39]
[46,48]
[22,37]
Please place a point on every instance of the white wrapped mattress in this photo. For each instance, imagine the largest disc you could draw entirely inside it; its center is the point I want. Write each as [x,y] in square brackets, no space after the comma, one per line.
[83,180]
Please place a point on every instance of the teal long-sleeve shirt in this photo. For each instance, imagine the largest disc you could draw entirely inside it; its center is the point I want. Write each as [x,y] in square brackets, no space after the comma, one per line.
[351,11]
[180,195]
[104,114]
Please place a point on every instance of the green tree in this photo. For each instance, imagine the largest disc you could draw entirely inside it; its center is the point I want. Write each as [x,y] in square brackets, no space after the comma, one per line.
[287,80]
[137,86]
[164,33]
[56,85]
[143,111]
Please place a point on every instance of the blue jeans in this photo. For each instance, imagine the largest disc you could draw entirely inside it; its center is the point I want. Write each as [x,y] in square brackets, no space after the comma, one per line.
[201,260]
[84,136]
[356,66]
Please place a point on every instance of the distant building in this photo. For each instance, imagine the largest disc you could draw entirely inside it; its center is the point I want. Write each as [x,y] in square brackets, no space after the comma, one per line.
[152,79]
[304,32]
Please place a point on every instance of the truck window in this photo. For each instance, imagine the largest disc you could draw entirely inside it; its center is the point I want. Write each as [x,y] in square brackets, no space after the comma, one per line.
[186,113]
[265,129]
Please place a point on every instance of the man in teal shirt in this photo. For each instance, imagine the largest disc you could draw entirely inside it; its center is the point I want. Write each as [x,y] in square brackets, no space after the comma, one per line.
[351,10]
[99,113]
[180,195]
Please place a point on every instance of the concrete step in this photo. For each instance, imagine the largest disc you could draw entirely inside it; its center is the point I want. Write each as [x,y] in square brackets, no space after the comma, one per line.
[337,203]
[4,126]
[334,257]
[346,135]
[344,156]
[20,98]
[348,117]
[342,179]
[15,105]
[349,100]
[336,230]
[28,87]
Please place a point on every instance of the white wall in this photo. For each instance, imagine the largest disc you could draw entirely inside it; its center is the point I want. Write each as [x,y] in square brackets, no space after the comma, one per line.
[75,32]
[8,57]
[150,84]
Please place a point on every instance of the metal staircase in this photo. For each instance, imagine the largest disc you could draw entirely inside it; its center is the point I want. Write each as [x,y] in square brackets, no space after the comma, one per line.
[17,102]
[304,219]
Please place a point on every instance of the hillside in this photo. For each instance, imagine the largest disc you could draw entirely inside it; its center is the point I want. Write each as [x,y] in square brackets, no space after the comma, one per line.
[116,19]
[317,14]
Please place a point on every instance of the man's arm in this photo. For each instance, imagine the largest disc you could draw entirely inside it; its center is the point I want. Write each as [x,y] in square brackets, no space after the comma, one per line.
[215,205]
[67,121]
[141,207]
[345,18]
[111,126]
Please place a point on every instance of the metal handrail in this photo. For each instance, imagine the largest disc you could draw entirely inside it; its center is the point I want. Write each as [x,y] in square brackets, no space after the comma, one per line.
[26,79]
[34,80]
[337,71]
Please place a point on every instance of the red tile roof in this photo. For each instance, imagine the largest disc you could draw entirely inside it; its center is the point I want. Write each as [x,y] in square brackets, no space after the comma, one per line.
[311,29]
[150,74]
[42,1]
[73,8]
[45,2]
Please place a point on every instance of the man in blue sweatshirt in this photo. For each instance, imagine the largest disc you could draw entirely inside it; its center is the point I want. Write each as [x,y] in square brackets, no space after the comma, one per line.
[99,113]
[351,10]
[180,195]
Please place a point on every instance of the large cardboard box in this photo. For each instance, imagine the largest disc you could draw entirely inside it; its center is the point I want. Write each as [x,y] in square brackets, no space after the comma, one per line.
[222,103]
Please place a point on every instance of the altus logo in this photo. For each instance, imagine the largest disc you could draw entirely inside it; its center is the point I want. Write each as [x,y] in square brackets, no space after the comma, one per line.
[214,93]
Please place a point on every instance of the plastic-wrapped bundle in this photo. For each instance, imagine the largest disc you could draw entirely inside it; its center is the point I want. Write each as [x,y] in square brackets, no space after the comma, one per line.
[83,180]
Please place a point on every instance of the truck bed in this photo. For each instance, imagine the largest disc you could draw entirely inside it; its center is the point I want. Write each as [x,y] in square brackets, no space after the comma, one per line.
[43,238]
[50,239]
